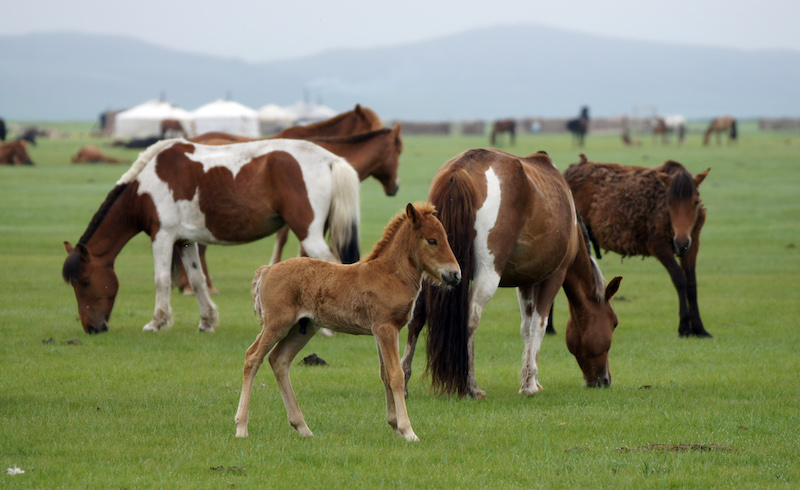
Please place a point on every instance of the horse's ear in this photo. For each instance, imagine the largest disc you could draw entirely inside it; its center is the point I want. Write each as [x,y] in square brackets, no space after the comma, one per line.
[613,287]
[396,129]
[583,158]
[664,178]
[68,247]
[699,178]
[412,213]
[83,252]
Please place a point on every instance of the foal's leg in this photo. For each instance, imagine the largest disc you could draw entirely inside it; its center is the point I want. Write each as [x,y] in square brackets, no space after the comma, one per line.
[281,359]
[387,336]
[209,316]
[414,328]
[162,260]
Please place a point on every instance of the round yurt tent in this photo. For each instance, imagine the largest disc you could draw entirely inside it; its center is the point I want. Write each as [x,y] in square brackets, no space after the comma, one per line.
[274,118]
[226,116]
[306,112]
[144,120]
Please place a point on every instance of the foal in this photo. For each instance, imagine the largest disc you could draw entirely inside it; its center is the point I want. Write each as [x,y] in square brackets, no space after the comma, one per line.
[375,297]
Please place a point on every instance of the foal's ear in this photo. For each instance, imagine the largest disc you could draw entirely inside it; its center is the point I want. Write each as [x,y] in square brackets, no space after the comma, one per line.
[613,287]
[664,178]
[412,213]
[699,178]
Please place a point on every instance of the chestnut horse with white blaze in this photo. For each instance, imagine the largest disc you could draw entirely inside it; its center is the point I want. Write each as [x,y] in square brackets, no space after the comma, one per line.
[511,222]
[648,212]
[182,193]
[375,296]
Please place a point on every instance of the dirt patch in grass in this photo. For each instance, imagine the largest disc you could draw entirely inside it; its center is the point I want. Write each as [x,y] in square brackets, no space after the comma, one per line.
[679,447]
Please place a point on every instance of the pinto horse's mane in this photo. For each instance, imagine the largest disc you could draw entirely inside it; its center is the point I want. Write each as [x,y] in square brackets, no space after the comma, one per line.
[390,231]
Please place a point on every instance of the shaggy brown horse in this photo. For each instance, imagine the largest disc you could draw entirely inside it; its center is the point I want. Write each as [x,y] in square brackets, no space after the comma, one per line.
[293,299]
[93,154]
[648,212]
[719,126]
[504,126]
[511,223]
[183,193]
[15,153]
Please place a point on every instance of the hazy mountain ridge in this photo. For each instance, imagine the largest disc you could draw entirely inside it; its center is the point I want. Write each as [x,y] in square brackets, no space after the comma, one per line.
[484,73]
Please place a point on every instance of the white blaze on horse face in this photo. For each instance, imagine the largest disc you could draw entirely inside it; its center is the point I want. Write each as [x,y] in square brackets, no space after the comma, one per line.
[485,219]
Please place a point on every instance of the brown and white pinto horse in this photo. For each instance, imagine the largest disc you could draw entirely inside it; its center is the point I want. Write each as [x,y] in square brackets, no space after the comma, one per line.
[15,153]
[719,126]
[511,223]
[293,299]
[648,212]
[182,193]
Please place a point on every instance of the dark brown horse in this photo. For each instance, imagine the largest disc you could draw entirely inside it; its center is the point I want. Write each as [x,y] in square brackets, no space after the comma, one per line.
[15,153]
[648,212]
[511,223]
[580,126]
[721,125]
[504,126]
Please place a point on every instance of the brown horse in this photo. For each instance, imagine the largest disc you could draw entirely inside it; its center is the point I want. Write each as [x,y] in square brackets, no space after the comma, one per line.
[172,128]
[356,121]
[15,153]
[648,212]
[93,154]
[293,299]
[719,126]
[511,223]
[183,193]
[504,126]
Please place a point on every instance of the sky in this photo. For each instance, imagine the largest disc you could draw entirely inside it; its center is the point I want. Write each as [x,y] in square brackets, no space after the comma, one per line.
[264,30]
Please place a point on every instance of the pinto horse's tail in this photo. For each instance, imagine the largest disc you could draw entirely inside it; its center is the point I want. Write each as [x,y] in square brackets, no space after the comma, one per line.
[344,215]
[448,308]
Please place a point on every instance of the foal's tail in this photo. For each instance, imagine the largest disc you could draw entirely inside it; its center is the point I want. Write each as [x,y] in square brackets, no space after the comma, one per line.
[448,308]
[255,292]
[344,215]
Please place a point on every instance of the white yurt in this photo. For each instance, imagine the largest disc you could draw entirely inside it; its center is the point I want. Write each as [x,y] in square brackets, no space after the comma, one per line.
[274,118]
[306,112]
[144,120]
[226,116]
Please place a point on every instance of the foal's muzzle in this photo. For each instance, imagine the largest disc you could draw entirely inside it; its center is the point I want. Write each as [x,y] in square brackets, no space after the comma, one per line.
[451,278]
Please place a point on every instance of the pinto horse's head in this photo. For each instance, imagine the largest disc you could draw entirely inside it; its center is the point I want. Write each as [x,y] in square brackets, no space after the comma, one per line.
[589,336]
[433,249]
[95,285]
[683,201]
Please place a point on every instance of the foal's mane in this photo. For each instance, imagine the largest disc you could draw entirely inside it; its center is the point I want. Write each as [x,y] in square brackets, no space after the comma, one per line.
[423,208]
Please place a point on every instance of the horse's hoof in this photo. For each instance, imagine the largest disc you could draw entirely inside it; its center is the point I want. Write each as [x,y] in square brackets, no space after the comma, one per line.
[150,328]
[478,394]
[201,328]
[241,432]
[530,390]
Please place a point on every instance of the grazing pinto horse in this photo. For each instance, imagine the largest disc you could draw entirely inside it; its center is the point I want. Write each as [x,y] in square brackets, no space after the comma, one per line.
[648,212]
[181,193]
[675,123]
[511,223]
[15,153]
[92,154]
[580,126]
[293,299]
[504,126]
[719,126]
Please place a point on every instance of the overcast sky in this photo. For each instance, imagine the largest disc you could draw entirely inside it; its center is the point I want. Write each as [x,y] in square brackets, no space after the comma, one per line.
[266,30]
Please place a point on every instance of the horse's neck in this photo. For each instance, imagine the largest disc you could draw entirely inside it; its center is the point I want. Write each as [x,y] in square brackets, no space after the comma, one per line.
[116,229]
[398,263]
[579,283]
[363,156]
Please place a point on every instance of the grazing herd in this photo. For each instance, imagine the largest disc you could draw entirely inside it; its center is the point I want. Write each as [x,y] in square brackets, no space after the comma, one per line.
[492,220]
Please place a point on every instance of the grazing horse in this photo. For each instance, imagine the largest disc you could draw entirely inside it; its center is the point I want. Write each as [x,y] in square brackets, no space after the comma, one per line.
[675,123]
[15,153]
[172,128]
[580,126]
[719,126]
[181,193]
[511,223]
[648,212]
[92,154]
[293,299]
[504,126]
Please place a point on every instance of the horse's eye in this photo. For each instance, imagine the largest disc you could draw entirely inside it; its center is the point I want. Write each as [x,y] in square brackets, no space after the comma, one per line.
[432,241]
[615,325]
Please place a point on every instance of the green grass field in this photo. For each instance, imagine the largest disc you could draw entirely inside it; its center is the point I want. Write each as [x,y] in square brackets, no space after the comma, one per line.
[132,410]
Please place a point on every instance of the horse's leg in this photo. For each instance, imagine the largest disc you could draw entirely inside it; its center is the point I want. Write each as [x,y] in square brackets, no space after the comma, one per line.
[162,272]
[551,330]
[678,277]
[184,286]
[484,285]
[281,359]
[414,328]
[190,258]
[388,338]
[280,240]
[688,264]
[535,302]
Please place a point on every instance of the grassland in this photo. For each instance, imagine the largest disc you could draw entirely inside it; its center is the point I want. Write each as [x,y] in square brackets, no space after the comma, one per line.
[132,410]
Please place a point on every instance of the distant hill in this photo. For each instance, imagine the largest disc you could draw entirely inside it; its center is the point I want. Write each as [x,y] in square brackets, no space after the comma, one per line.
[503,71]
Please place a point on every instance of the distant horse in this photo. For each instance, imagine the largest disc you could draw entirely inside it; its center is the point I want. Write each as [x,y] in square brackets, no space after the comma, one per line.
[719,126]
[511,223]
[504,126]
[649,212]
[15,153]
[29,135]
[675,123]
[136,143]
[182,194]
[3,130]
[93,154]
[580,126]
[627,140]
[293,299]
[172,128]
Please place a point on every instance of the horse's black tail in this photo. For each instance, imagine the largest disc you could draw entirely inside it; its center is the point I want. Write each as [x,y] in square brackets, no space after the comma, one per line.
[448,308]
[734,133]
